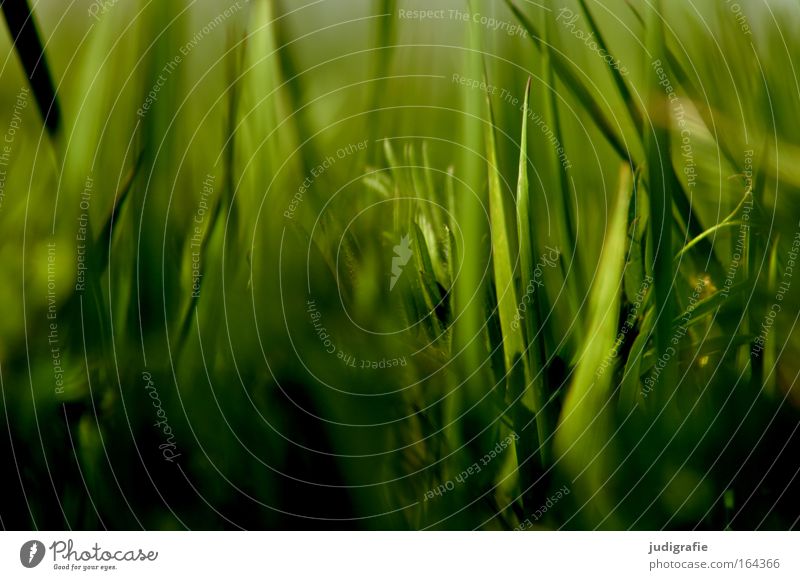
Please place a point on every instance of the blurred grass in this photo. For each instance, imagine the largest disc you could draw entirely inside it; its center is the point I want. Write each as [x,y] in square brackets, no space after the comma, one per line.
[293,244]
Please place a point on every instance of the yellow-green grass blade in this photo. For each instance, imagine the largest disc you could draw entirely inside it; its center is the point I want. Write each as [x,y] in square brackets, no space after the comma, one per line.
[586,419]
[385,39]
[523,206]
[533,396]
[502,260]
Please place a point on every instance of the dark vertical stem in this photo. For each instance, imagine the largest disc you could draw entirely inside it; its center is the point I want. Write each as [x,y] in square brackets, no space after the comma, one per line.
[28,43]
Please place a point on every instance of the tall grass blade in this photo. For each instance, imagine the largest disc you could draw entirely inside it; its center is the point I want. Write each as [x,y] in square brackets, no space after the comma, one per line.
[659,170]
[502,260]
[574,279]
[533,395]
[630,104]
[587,414]
[564,71]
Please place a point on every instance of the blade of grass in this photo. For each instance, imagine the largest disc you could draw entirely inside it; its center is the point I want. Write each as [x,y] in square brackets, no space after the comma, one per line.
[562,67]
[502,260]
[534,395]
[564,71]
[769,359]
[576,282]
[616,75]
[658,166]
[427,281]
[586,417]
[386,33]
[638,218]
[629,388]
[469,212]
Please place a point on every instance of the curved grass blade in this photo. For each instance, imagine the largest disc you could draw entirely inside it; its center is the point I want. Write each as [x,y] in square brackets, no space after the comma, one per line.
[586,418]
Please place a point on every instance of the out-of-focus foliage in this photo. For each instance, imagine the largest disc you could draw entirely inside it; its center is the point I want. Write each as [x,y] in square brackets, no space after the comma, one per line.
[331,265]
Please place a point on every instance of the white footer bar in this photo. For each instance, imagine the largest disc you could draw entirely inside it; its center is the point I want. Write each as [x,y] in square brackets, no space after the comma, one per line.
[400,555]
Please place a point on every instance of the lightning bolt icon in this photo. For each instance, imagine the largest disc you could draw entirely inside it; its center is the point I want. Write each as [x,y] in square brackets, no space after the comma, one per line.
[402,256]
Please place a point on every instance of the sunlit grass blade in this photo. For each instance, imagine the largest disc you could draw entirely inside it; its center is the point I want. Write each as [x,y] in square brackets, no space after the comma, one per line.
[534,395]
[523,208]
[585,425]
[502,259]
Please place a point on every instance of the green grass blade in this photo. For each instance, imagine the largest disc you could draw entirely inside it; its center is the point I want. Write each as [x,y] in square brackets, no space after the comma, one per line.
[469,211]
[534,395]
[636,270]
[587,414]
[513,343]
[575,282]
[427,280]
[768,363]
[659,169]
[523,207]
[630,104]
[563,69]
[629,392]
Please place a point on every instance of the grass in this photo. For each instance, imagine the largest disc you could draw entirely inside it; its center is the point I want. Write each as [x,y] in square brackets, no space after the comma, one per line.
[651,371]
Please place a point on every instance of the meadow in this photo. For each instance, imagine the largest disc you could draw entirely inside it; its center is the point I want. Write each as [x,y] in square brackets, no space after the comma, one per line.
[382,264]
